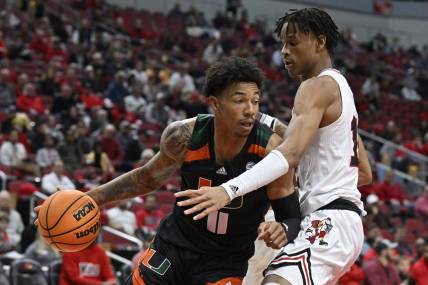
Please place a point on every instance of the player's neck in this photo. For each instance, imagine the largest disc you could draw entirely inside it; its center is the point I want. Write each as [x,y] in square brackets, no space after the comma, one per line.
[226,145]
[322,64]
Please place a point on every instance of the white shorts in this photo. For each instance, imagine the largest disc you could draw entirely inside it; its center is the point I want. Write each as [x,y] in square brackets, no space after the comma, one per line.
[328,244]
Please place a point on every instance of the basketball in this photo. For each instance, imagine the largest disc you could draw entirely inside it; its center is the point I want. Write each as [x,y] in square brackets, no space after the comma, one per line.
[69,220]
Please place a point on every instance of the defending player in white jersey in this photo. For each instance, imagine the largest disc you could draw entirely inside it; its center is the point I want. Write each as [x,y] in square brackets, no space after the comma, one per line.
[322,141]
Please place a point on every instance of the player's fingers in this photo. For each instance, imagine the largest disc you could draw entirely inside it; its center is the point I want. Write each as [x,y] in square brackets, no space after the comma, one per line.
[37,209]
[194,199]
[36,222]
[198,207]
[261,231]
[277,232]
[205,213]
[187,193]
[278,243]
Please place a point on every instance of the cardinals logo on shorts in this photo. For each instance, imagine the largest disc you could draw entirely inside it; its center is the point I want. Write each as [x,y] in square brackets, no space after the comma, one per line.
[318,231]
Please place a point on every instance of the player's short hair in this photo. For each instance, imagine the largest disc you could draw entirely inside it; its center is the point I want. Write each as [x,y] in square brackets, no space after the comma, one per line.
[311,20]
[231,70]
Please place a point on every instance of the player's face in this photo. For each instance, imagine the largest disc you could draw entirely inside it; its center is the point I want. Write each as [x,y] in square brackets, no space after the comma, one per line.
[298,50]
[238,106]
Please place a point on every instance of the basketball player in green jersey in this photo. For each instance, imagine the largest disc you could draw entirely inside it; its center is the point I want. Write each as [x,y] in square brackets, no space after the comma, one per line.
[209,150]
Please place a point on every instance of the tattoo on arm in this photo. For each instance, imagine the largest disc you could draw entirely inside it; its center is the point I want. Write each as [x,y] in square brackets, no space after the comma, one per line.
[149,177]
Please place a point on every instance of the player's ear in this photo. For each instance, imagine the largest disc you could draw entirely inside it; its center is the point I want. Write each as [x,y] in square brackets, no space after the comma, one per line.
[321,42]
[213,102]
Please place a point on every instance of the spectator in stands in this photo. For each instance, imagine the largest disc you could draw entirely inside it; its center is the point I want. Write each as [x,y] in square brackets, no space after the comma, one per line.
[213,51]
[49,83]
[135,102]
[355,276]
[408,92]
[392,192]
[419,270]
[5,244]
[403,248]
[150,216]
[139,73]
[383,7]
[382,269]
[158,111]
[46,156]
[56,179]
[375,214]
[15,226]
[373,236]
[134,148]
[146,155]
[421,205]
[404,270]
[125,134]
[70,151]
[181,80]
[110,145]
[29,101]
[83,35]
[41,252]
[98,159]
[7,92]
[121,218]
[64,100]
[3,47]
[117,90]
[88,266]
[14,155]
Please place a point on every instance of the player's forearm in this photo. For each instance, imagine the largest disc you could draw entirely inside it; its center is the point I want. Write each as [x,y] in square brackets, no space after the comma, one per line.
[134,183]
[365,176]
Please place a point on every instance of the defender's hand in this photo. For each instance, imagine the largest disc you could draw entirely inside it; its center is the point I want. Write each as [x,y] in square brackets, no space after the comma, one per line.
[205,199]
[273,234]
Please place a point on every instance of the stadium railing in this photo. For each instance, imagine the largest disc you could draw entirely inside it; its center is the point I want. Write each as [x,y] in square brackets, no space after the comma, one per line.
[420,159]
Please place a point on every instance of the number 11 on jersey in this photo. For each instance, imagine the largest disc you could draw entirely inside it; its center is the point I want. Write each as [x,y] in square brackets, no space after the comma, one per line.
[216,221]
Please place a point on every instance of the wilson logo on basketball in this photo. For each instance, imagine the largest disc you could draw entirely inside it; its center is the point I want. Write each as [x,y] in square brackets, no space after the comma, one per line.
[91,230]
[84,211]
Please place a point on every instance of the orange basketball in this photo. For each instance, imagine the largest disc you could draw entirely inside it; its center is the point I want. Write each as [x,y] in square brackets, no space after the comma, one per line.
[69,220]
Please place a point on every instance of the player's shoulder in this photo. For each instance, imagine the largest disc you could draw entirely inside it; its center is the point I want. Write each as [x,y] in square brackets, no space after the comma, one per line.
[322,90]
[320,84]
[176,137]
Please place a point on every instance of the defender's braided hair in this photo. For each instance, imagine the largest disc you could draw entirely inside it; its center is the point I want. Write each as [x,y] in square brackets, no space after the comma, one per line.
[311,20]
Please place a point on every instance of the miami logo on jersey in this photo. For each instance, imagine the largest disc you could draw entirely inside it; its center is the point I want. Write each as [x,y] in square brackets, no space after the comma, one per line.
[318,231]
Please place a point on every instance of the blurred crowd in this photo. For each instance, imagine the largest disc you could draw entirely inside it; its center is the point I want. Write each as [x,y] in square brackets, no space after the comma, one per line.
[87,88]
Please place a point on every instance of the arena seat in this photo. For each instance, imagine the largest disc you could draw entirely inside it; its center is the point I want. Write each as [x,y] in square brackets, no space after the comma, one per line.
[54,272]
[28,272]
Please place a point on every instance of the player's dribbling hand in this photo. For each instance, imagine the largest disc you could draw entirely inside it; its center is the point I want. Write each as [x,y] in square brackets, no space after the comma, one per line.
[273,234]
[204,200]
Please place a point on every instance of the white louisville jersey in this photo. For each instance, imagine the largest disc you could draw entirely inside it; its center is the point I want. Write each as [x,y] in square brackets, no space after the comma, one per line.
[329,168]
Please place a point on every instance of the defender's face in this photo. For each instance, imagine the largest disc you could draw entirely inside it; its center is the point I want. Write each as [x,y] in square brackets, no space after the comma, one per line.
[237,107]
[298,50]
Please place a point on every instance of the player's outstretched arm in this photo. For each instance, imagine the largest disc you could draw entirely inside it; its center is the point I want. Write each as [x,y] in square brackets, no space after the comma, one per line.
[149,177]
[312,100]
[365,175]
[284,200]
